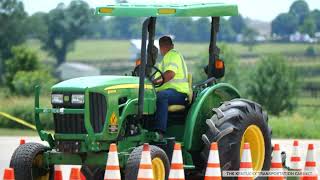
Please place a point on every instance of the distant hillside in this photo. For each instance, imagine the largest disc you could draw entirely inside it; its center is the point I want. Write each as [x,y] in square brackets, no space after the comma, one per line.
[264,28]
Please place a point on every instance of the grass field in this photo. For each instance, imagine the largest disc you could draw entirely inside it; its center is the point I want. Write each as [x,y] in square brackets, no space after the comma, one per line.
[17,132]
[303,123]
[85,50]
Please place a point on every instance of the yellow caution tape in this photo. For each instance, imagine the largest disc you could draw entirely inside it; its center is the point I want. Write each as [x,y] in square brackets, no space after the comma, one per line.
[20,121]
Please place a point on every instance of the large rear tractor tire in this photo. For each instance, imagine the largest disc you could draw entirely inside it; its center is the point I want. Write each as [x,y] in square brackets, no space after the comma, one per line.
[234,123]
[93,172]
[27,162]
[160,163]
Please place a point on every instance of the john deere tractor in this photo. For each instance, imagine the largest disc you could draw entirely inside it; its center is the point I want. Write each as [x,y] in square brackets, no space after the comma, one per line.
[90,113]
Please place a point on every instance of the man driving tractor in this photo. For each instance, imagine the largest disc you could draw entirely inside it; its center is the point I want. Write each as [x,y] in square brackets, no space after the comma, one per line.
[175,89]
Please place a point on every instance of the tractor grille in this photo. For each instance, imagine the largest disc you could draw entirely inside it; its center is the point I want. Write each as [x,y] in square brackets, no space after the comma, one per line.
[74,123]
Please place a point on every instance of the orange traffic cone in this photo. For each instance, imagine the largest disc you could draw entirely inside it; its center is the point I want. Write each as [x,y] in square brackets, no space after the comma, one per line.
[57,173]
[176,169]
[246,164]
[145,169]
[112,169]
[276,164]
[8,174]
[22,141]
[75,174]
[213,171]
[310,170]
[295,159]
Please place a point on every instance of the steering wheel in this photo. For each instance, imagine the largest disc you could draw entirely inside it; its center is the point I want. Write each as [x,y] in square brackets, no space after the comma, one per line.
[154,71]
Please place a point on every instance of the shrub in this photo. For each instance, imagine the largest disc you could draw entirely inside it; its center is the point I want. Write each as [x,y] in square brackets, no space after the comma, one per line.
[23,108]
[24,81]
[23,60]
[310,52]
[232,66]
[273,84]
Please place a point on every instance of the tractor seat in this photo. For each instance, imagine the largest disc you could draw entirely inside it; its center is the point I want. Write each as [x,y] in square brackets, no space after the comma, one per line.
[178,108]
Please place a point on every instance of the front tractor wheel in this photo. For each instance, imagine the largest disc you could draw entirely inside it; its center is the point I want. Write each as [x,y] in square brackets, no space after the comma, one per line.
[234,123]
[27,162]
[160,163]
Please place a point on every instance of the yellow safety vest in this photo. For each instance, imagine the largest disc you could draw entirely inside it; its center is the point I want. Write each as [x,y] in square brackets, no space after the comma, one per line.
[174,61]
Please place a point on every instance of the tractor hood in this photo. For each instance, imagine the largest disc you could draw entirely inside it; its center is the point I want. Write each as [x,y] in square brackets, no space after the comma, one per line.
[80,84]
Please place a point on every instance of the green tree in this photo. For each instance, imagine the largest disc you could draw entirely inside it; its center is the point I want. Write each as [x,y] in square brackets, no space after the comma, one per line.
[202,26]
[300,9]
[273,84]
[124,27]
[238,24]
[249,38]
[36,25]
[183,29]
[226,32]
[308,27]
[284,24]
[12,20]
[25,81]
[310,52]
[316,17]
[22,60]
[97,28]
[65,26]
[234,73]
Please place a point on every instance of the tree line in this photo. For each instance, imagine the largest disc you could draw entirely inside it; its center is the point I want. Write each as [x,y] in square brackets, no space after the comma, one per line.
[62,26]
[299,19]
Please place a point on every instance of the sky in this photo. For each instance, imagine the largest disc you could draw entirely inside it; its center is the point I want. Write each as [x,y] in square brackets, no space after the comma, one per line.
[264,10]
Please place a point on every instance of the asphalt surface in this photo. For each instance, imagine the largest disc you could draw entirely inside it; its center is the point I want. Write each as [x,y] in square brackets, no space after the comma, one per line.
[8,145]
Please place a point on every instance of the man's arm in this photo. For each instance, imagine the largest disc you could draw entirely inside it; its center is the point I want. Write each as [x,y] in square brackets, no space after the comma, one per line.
[168,75]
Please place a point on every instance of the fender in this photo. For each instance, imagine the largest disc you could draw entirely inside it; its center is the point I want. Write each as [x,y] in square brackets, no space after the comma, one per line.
[201,110]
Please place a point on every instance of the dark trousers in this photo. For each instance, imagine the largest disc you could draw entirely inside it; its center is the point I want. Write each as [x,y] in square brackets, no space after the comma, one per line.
[164,99]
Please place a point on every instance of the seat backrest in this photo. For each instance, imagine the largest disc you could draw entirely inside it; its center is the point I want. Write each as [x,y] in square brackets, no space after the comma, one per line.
[190,87]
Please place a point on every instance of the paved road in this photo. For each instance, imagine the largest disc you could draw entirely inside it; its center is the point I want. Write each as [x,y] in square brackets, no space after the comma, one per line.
[8,145]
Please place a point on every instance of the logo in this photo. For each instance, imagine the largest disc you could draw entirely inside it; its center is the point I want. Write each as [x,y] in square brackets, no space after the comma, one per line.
[113,123]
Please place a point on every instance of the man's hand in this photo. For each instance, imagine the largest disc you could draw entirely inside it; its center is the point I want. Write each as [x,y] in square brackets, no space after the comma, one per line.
[168,75]
[157,81]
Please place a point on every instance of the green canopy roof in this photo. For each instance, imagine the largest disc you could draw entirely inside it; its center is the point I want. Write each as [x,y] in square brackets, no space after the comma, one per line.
[181,10]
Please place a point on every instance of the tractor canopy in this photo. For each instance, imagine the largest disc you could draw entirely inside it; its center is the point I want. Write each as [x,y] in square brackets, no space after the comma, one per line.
[178,10]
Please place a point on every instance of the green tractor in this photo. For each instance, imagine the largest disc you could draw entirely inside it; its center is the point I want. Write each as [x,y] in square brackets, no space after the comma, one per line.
[90,113]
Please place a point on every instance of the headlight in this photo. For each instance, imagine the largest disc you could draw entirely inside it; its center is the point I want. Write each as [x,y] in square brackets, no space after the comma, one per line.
[77,99]
[57,98]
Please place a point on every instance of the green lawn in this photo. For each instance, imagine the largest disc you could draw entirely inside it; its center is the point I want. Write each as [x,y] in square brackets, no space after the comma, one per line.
[303,123]
[17,132]
[309,101]
[86,50]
